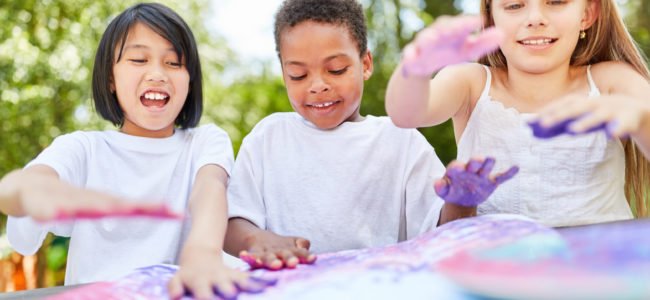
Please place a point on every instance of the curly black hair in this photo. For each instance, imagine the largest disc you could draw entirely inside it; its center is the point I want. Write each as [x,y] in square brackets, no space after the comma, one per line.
[347,13]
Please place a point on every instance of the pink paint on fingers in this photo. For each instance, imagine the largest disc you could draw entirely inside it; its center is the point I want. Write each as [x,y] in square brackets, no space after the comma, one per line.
[156,212]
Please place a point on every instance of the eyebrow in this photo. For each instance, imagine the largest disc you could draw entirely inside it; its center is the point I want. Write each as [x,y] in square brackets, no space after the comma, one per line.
[140,46]
[329,58]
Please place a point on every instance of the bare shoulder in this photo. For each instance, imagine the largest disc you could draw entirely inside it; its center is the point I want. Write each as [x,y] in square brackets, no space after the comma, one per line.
[468,76]
[611,76]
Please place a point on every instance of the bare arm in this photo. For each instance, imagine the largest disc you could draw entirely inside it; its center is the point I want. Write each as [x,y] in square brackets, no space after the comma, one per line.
[201,262]
[413,101]
[39,193]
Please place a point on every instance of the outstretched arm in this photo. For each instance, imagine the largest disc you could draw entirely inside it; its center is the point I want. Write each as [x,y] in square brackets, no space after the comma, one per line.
[465,186]
[201,263]
[412,99]
[39,193]
[264,249]
[623,109]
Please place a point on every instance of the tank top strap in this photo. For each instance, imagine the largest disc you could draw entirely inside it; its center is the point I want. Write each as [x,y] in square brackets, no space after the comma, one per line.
[593,89]
[488,83]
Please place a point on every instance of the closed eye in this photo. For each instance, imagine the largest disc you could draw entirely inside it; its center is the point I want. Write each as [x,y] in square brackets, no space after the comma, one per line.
[138,61]
[339,72]
[296,78]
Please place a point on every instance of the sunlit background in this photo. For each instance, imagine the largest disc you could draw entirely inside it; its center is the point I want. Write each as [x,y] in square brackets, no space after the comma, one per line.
[46,53]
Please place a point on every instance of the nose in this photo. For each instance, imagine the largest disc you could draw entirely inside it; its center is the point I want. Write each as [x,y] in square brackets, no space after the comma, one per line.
[156,73]
[318,85]
[536,17]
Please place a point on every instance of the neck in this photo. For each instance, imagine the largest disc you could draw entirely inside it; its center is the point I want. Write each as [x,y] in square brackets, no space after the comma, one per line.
[132,129]
[540,88]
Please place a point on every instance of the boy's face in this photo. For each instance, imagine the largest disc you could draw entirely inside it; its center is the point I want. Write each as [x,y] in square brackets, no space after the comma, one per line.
[323,72]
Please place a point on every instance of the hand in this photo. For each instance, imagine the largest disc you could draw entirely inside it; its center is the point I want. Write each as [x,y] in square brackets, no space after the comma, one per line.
[620,116]
[471,184]
[448,41]
[203,274]
[273,252]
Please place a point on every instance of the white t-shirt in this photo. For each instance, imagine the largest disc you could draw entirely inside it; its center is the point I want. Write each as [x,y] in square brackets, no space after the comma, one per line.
[359,185]
[138,168]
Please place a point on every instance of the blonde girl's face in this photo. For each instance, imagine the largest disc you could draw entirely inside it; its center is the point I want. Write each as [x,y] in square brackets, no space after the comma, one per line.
[323,72]
[541,34]
[151,83]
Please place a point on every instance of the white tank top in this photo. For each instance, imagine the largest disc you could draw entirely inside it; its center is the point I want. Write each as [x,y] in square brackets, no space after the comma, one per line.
[563,181]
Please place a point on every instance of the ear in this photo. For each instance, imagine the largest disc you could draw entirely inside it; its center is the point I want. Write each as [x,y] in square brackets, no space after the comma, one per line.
[366,60]
[111,84]
[592,11]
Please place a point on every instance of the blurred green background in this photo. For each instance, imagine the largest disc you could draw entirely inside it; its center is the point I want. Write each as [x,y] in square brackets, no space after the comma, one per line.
[47,48]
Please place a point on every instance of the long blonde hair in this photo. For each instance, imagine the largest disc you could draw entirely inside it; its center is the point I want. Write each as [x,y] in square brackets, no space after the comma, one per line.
[607,40]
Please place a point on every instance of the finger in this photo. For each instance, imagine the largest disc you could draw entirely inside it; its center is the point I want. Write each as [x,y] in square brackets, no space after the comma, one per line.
[487,41]
[616,129]
[302,243]
[462,25]
[252,260]
[175,288]
[442,187]
[487,167]
[454,168]
[289,259]
[200,289]
[304,256]
[271,261]
[590,122]
[225,289]
[568,107]
[474,165]
[506,175]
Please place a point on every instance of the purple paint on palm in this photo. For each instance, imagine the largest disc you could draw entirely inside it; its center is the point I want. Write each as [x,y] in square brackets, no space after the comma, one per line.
[157,211]
[472,185]
[546,132]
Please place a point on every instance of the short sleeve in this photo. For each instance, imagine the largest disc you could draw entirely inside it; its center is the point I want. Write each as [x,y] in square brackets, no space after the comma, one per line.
[67,156]
[213,147]
[245,188]
[422,203]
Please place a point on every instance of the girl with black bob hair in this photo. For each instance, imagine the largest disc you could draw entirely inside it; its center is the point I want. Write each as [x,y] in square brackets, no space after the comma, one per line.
[146,81]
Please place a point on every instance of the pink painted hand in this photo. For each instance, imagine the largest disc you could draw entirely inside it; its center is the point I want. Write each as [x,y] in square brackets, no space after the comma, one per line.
[448,41]
[153,210]
[471,184]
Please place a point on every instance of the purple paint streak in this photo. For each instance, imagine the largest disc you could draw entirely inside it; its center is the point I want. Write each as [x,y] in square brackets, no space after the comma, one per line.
[158,212]
[545,132]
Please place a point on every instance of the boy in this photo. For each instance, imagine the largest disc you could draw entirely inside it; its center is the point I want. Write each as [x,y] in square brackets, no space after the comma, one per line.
[324,172]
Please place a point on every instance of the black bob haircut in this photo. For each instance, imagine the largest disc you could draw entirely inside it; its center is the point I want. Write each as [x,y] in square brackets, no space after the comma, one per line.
[164,21]
[347,13]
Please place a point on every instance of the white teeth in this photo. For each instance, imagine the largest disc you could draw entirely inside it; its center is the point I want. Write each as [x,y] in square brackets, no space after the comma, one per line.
[321,105]
[537,42]
[155,96]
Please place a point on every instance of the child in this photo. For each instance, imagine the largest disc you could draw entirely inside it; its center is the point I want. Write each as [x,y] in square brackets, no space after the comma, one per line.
[325,176]
[577,57]
[147,81]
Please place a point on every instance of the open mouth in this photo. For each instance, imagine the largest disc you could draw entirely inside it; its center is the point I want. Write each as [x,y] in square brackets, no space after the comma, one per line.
[537,42]
[154,99]
[323,105]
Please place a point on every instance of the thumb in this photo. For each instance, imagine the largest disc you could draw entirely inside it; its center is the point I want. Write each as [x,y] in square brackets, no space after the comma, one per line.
[442,187]
[302,243]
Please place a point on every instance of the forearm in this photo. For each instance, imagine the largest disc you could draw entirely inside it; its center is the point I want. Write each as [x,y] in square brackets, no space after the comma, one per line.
[9,195]
[239,235]
[407,99]
[451,212]
[209,212]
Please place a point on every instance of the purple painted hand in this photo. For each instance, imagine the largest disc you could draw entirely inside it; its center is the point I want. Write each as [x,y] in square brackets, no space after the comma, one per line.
[470,185]
[545,132]
[450,40]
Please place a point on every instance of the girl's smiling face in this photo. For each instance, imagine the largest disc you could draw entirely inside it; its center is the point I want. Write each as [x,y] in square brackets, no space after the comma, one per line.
[541,34]
[151,83]
[323,72]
